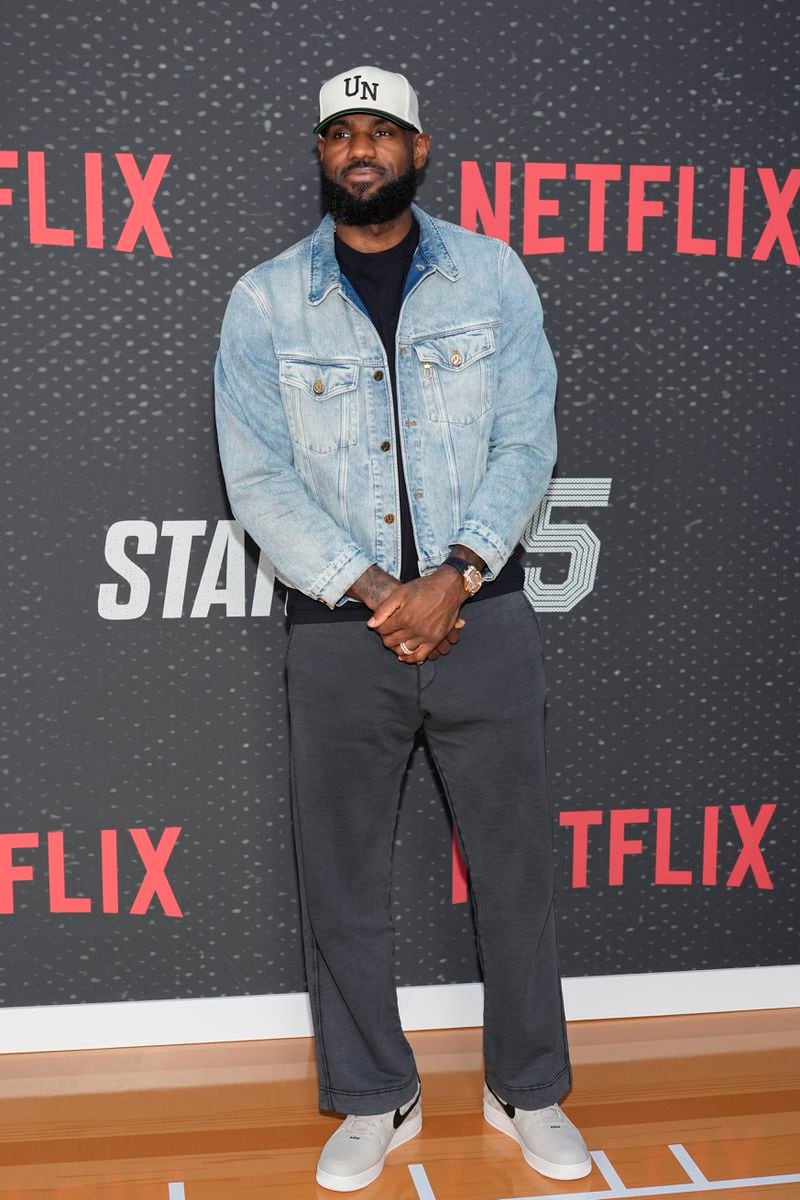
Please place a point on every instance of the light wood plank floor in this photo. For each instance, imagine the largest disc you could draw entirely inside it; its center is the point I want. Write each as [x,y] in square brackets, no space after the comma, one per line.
[236,1121]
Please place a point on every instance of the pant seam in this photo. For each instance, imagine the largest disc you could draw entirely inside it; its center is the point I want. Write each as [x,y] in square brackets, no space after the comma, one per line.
[390,874]
[451,806]
[326,1084]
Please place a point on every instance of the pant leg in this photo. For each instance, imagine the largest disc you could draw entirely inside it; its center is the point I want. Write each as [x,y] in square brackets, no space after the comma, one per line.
[353,715]
[484,706]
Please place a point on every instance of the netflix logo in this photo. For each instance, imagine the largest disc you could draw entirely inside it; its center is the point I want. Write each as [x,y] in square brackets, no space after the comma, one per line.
[49,868]
[650,192]
[619,836]
[626,840]
[142,221]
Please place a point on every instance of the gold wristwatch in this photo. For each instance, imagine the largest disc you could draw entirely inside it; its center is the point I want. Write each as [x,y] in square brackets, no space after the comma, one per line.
[472,577]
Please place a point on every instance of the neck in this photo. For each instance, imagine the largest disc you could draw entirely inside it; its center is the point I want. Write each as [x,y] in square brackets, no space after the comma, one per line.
[368,239]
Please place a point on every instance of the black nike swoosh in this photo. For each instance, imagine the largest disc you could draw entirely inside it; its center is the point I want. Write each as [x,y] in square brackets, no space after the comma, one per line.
[508,1109]
[400,1117]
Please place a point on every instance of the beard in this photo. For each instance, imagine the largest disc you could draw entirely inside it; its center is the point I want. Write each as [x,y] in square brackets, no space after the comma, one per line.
[387,202]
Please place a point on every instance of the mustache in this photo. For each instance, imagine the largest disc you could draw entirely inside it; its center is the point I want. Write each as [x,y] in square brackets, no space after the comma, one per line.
[362,165]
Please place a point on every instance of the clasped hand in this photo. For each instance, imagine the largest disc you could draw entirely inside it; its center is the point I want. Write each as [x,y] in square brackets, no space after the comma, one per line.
[423,615]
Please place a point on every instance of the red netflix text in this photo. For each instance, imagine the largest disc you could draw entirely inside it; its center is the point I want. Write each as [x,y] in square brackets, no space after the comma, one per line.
[646,188]
[621,844]
[153,857]
[141,185]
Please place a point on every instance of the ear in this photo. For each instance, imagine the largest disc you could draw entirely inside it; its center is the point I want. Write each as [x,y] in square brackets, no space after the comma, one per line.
[420,149]
[320,144]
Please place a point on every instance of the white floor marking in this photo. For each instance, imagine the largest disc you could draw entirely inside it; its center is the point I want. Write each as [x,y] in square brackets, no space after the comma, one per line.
[671,1189]
[617,1189]
[176,1191]
[607,1171]
[421,1181]
[687,1162]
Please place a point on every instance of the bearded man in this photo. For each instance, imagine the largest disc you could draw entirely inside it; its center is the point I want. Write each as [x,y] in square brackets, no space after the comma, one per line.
[385,398]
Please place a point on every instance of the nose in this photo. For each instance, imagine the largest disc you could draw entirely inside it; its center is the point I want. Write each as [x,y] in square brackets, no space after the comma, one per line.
[361,144]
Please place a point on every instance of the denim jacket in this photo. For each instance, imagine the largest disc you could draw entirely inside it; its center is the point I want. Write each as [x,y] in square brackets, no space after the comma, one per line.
[304,409]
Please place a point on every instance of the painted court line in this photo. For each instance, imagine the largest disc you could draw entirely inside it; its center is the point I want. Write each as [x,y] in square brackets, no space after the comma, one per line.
[607,1171]
[617,1189]
[421,1181]
[687,1162]
[672,1189]
[176,1191]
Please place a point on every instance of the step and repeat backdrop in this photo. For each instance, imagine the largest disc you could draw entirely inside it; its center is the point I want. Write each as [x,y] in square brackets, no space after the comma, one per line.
[641,158]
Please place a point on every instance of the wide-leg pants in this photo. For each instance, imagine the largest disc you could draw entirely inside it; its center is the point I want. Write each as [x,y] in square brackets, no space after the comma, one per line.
[354,711]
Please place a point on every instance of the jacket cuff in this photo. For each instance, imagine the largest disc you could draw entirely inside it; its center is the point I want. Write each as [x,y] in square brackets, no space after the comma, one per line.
[331,585]
[484,541]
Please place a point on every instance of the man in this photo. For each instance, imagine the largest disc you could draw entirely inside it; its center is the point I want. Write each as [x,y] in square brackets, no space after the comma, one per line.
[385,414]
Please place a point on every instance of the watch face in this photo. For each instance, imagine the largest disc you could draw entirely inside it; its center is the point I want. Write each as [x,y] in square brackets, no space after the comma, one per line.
[473,579]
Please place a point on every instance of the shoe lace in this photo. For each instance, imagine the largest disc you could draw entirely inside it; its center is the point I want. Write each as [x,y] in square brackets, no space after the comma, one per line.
[364,1126]
[552,1115]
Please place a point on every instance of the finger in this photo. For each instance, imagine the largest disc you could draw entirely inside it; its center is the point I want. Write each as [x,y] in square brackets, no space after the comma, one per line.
[417,655]
[392,640]
[444,647]
[403,650]
[384,610]
[393,623]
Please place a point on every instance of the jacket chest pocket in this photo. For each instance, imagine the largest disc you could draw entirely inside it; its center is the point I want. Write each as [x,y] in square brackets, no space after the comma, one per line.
[456,375]
[319,399]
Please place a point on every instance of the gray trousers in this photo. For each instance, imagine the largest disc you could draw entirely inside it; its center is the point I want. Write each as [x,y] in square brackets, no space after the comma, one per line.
[354,711]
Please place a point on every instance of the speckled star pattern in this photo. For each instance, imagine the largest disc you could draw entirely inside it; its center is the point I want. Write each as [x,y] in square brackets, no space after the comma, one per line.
[669,685]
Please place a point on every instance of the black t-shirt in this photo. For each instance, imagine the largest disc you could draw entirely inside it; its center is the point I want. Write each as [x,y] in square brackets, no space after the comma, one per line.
[379,279]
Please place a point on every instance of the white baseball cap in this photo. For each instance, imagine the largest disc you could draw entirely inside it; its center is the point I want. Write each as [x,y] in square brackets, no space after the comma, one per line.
[369,90]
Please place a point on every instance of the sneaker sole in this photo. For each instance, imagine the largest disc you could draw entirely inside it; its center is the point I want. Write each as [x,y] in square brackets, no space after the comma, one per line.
[351,1183]
[504,1124]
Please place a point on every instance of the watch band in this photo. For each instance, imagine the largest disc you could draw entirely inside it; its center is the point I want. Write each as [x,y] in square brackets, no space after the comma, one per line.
[473,578]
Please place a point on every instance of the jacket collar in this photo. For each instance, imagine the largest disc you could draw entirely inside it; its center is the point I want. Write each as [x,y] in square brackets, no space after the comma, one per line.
[324,273]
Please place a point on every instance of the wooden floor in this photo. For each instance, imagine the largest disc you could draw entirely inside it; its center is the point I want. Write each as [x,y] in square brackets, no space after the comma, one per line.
[699,1106]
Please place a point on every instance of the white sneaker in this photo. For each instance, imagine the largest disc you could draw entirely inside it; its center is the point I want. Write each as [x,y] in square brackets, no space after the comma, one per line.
[353,1156]
[550,1142]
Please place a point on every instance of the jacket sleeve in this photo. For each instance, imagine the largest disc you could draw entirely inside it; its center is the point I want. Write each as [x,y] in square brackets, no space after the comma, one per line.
[308,550]
[522,441]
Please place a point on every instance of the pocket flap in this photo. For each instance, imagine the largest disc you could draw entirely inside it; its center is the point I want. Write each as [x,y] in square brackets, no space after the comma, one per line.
[454,351]
[319,380]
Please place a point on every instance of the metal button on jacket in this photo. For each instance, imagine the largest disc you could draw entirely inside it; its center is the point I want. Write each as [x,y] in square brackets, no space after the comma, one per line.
[384,445]
[318,386]
[389,518]
[456,358]
[378,375]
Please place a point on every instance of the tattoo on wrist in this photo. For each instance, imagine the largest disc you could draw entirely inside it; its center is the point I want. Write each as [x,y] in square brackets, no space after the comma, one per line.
[373,586]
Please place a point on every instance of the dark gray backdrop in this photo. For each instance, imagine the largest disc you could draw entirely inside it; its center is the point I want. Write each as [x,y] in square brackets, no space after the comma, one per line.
[669,684]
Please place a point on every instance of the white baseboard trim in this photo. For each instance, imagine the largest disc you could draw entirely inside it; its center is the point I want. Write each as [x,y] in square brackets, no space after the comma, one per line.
[443,1006]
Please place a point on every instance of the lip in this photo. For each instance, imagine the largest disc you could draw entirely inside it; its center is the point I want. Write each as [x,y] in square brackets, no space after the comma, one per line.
[363,173]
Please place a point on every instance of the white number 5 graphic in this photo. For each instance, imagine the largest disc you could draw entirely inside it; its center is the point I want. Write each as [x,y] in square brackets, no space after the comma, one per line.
[578,541]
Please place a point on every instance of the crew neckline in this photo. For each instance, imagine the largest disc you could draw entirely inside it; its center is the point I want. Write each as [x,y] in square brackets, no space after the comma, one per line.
[398,251]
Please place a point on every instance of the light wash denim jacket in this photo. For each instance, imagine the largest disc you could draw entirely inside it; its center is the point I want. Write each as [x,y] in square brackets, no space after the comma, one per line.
[304,409]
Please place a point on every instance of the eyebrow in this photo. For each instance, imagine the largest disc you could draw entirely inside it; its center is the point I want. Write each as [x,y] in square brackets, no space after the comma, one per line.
[345,123]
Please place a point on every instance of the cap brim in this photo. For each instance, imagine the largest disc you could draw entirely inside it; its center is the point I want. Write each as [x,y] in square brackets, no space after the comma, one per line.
[373,112]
